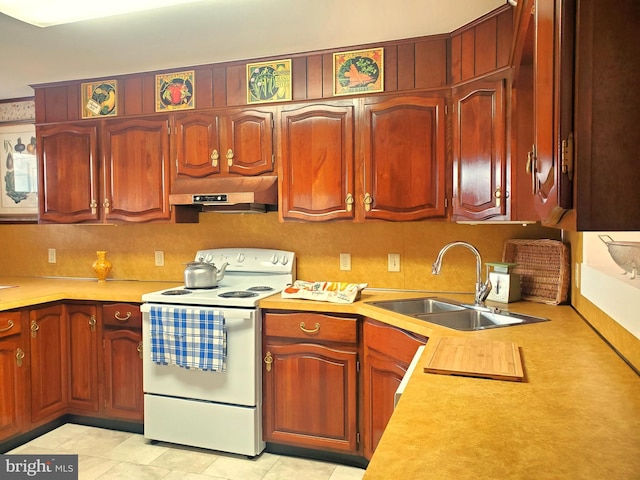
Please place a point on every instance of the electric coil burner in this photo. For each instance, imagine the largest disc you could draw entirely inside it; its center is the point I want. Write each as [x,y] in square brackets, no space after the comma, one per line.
[219,410]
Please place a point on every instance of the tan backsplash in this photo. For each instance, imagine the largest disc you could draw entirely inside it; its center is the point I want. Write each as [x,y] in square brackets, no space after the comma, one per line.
[130,247]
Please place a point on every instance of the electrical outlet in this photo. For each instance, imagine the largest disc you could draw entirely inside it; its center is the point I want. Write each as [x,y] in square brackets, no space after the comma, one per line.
[393,262]
[159,257]
[345,261]
[52,255]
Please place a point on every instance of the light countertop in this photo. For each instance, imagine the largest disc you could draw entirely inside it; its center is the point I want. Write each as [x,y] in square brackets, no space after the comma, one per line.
[575,416]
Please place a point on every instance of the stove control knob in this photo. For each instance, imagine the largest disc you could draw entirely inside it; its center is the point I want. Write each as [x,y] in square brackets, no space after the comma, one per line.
[284,260]
[240,257]
[208,258]
[274,258]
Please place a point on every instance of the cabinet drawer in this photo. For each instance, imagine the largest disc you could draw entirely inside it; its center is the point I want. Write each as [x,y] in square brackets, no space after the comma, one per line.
[311,326]
[9,324]
[122,315]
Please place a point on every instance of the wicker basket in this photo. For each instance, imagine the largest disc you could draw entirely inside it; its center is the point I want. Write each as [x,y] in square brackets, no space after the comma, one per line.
[544,268]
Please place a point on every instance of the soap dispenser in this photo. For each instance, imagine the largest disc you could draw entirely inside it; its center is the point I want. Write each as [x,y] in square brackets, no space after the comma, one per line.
[506,284]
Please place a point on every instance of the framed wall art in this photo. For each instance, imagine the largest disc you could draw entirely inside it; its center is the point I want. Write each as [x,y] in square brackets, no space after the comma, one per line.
[269,81]
[18,172]
[175,91]
[358,71]
[99,99]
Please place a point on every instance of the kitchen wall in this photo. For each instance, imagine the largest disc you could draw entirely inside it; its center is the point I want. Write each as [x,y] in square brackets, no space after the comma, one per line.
[23,248]
[618,332]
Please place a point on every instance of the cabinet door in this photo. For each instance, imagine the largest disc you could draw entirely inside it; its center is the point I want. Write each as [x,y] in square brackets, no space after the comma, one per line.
[136,164]
[49,351]
[404,157]
[68,173]
[247,142]
[553,107]
[197,145]
[480,191]
[83,357]
[388,351]
[13,376]
[310,396]
[123,394]
[317,155]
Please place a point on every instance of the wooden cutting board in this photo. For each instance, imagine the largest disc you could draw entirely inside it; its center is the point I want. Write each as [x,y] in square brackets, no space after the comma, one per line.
[474,358]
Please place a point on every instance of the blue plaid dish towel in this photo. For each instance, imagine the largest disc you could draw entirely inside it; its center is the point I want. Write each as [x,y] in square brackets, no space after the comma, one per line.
[188,337]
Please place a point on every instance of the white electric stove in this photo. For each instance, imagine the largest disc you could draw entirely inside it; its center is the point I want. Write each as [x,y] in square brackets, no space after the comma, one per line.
[218,410]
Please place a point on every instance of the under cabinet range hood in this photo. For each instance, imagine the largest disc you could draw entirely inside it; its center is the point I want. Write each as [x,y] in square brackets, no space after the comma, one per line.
[226,194]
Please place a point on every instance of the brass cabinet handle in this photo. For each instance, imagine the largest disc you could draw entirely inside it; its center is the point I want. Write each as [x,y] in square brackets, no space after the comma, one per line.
[10,323]
[214,158]
[92,323]
[349,201]
[368,200]
[94,207]
[122,319]
[268,360]
[306,330]
[230,157]
[19,357]
[34,328]
[498,195]
[106,204]
[139,349]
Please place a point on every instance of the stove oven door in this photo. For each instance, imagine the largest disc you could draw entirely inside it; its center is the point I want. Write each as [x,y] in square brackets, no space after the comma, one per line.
[238,385]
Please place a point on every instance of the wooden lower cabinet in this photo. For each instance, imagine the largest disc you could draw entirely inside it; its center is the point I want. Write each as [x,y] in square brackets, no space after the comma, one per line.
[310,381]
[13,375]
[49,365]
[83,357]
[388,351]
[122,361]
[314,395]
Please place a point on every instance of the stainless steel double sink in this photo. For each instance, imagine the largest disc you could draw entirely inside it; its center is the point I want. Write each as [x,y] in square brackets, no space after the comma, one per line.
[458,316]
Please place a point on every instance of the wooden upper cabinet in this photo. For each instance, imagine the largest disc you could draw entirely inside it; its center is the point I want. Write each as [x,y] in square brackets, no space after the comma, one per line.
[317,161]
[247,142]
[238,142]
[480,190]
[197,144]
[404,157]
[69,175]
[136,169]
[552,23]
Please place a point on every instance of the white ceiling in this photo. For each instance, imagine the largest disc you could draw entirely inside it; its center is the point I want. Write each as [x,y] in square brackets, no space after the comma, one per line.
[212,31]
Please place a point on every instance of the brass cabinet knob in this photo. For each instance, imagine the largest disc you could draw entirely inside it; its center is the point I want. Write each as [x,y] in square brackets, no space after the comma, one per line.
[230,157]
[268,360]
[349,201]
[215,156]
[368,200]
[19,357]
[92,323]
[139,349]
[34,328]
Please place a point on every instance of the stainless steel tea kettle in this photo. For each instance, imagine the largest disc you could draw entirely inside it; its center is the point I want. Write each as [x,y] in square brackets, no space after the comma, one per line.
[203,275]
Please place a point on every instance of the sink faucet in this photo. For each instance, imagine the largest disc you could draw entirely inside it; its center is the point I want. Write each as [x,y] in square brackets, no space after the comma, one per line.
[482,289]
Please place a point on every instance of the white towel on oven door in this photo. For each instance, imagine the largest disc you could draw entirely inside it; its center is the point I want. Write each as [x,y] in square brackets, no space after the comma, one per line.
[189,337]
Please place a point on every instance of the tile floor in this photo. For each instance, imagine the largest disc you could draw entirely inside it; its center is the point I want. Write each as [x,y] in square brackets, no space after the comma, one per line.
[113,455]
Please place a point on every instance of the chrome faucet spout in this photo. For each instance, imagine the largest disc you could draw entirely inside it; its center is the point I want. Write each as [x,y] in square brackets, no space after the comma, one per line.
[482,290]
